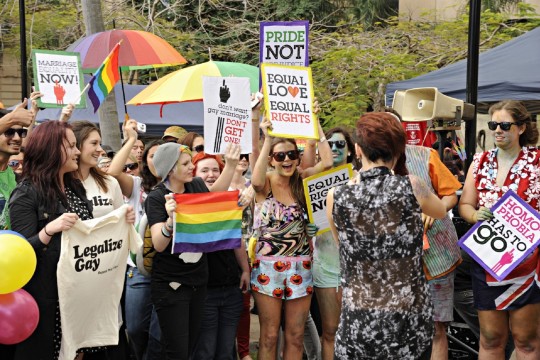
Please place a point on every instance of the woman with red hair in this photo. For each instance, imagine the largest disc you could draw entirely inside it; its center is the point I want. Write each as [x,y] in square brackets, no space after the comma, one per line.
[386,306]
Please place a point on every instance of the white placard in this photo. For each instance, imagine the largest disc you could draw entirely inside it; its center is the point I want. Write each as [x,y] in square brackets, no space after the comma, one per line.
[227,114]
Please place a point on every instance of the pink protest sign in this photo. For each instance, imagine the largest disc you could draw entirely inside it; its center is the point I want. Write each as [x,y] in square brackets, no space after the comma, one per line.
[500,244]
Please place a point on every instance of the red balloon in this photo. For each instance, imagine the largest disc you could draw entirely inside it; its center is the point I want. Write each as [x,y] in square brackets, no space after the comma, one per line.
[19,316]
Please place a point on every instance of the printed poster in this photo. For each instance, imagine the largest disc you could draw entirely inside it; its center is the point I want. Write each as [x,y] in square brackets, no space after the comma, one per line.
[500,244]
[227,113]
[288,100]
[284,43]
[58,75]
[316,187]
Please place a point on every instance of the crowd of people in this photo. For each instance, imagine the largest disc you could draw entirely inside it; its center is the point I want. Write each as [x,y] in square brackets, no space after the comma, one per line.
[379,285]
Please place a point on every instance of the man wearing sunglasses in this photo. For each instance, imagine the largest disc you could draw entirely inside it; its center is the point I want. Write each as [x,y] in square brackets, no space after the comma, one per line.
[11,138]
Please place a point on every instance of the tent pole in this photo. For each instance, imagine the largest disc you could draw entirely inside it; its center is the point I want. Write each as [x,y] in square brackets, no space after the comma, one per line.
[472,77]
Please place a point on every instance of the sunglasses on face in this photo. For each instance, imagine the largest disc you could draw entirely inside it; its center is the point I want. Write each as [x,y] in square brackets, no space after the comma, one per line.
[15,163]
[131,167]
[244,157]
[340,144]
[9,133]
[199,148]
[505,126]
[280,156]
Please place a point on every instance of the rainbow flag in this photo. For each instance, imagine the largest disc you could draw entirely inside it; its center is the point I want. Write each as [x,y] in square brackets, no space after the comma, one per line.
[207,222]
[104,79]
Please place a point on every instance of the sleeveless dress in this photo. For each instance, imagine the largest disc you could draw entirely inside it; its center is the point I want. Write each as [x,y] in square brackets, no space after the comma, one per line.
[282,266]
[519,288]
[386,308]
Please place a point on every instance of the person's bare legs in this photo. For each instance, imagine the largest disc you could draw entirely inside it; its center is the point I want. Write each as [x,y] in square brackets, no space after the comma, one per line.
[439,350]
[524,324]
[296,312]
[269,319]
[329,300]
[493,334]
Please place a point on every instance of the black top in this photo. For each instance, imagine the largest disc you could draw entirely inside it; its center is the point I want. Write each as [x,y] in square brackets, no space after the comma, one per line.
[168,267]
[223,269]
[28,217]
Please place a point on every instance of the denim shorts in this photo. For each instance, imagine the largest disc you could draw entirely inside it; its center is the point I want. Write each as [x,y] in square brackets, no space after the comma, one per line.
[282,277]
[442,295]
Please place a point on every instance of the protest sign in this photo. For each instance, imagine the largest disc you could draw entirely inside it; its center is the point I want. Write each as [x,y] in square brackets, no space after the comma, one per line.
[288,99]
[316,187]
[58,75]
[284,42]
[500,244]
[227,114]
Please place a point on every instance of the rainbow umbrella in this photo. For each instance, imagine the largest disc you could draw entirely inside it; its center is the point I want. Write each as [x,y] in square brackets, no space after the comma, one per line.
[139,50]
[187,85]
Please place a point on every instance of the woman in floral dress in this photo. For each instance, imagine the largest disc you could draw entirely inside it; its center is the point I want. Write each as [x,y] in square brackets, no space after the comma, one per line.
[513,303]
[386,307]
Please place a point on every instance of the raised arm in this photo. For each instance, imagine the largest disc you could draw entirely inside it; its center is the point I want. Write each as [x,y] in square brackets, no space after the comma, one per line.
[326,156]
[19,116]
[117,163]
[232,156]
[258,178]
[255,116]
[34,109]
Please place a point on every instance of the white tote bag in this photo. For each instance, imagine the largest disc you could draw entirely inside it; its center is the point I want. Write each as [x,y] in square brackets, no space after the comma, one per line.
[91,273]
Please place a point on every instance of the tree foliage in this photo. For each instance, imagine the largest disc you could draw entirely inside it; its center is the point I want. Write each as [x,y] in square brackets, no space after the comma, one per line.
[356,48]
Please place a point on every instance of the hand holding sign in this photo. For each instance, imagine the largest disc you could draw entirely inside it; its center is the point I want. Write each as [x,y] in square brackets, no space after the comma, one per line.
[232,155]
[483,213]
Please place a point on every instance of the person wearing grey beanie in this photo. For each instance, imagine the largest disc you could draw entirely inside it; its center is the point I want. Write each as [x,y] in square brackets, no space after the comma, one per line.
[179,281]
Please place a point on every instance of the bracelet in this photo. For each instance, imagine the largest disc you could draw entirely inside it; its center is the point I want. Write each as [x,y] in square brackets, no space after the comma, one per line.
[46,233]
[323,139]
[169,228]
[165,232]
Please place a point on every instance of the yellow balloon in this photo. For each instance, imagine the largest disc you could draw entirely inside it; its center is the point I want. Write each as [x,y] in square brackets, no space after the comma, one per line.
[17,261]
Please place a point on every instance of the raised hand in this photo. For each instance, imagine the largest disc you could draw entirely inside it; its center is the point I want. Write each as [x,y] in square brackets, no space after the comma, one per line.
[67,111]
[232,155]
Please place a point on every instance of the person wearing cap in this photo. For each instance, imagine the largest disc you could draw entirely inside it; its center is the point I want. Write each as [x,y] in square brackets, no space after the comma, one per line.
[178,285]
[173,134]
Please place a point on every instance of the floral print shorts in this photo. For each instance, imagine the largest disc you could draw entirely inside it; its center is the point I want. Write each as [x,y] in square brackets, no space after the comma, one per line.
[282,277]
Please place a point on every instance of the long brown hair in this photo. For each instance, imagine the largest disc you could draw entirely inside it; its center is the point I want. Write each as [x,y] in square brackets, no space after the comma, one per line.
[380,136]
[43,161]
[82,130]
[295,182]
[519,113]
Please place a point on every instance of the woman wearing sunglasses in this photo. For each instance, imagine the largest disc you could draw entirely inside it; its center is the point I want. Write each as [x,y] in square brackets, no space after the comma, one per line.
[193,141]
[131,167]
[513,164]
[282,267]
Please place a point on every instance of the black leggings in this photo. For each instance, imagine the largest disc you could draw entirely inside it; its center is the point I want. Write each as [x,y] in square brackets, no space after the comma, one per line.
[180,313]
